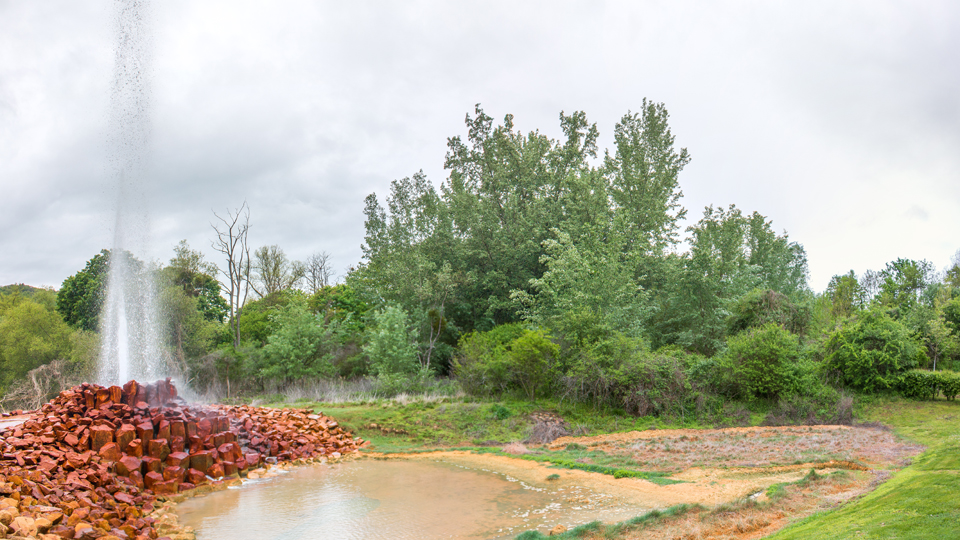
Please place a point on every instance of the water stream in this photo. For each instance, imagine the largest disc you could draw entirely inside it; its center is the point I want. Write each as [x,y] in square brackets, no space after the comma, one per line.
[395,499]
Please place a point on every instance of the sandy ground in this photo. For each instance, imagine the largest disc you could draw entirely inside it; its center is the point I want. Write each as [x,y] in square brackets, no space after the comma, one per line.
[717,467]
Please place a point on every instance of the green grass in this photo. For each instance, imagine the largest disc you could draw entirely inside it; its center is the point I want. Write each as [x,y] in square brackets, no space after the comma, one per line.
[449,422]
[922,500]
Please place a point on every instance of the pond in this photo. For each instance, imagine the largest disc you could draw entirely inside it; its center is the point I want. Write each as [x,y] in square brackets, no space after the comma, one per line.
[401,499]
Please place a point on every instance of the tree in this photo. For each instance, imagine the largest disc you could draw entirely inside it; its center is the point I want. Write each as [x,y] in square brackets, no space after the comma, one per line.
[901,283]
[318,272]
[231,241]
[643,175]
[941,343]
[952,275]
[30,336]
[81,296]
[392,349]
[846,295]
[274,272]
[870,351]
[189,271]
[300,347]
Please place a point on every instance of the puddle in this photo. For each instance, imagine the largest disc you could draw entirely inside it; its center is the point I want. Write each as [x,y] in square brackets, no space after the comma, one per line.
[397,499]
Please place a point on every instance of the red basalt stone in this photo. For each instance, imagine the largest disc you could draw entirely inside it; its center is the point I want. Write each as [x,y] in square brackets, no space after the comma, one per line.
[215,471]
[145,431]
[202,460]
[196,477]
[125,435]
[158,449]
[177,444]
[135,448]
[109,452]
[99,436]
[174,473]
[127,464]
[178,459]
[151,478]
[167,487]
[151,464]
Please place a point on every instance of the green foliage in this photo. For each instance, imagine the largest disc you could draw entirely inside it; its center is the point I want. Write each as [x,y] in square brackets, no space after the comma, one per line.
[759,307]
[256,323]
[870,352]
[920,384]
[509,357]
[81,296]
[901,283]
[762,362]
[391,349]
[301,347]
[845,294]
[30,335]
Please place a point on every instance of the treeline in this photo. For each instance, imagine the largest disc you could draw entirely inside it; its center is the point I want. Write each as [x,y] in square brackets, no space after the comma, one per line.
[541,268]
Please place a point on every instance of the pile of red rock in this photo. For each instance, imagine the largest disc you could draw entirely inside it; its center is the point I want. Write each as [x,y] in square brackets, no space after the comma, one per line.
[93,461]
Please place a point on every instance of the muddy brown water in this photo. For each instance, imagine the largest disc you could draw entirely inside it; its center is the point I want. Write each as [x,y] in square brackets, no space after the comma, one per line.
[397,499]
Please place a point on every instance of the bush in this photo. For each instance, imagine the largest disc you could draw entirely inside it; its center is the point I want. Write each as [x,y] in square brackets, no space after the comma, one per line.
[870,352]
[762,362]
[509,357]
[950,384]
[920,384]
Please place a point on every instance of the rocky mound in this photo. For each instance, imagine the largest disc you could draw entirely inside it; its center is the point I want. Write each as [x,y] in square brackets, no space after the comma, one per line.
[92,462]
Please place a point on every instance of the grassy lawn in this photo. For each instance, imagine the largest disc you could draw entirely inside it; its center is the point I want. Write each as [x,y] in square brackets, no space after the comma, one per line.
[921,501]
[393,426]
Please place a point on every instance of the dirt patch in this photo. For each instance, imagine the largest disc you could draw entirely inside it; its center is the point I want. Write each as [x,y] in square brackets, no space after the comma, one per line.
[678,450]
[727,471]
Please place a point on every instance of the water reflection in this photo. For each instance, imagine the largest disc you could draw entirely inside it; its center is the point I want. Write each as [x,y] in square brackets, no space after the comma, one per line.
[381,499]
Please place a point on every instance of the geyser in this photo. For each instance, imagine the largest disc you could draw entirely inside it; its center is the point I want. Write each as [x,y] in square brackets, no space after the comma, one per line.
[130,328]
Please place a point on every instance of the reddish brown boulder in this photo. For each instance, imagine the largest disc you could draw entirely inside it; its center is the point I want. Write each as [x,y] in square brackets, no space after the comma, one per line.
[186,486]
[151,464]
[99,436]
[215,471]
[178,459]
[127,464]
[125,435]
[135,448]
[177,444]
[151,478]
[174,473]
[158,449]
[167,487]
[109,452]
[196,477]
[178,429]
[202,460]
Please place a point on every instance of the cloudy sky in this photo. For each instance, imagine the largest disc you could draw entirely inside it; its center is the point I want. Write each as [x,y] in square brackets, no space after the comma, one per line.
[840,121]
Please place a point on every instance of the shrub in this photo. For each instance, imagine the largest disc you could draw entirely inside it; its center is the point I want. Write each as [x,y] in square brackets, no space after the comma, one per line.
[762,362]
[870,352]
[509,357]
[950,384]
[920,384]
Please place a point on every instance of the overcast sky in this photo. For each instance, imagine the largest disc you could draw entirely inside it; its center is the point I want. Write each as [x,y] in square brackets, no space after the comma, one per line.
[840,121]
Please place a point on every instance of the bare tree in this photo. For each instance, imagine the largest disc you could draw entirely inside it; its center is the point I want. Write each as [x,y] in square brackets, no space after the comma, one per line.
[319,271]
[273,272]
[232,242]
